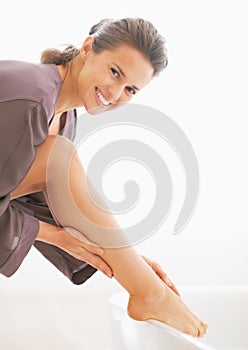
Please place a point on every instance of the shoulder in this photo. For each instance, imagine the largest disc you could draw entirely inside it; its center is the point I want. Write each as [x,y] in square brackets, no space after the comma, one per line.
[36,82]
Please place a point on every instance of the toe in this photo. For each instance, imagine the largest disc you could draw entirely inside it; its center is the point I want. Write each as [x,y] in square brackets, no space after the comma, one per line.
[200,331]
[205,326]
[192,330]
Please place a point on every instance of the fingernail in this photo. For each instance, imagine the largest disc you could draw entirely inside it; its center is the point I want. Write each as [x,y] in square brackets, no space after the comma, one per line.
[109,274]
[169,282]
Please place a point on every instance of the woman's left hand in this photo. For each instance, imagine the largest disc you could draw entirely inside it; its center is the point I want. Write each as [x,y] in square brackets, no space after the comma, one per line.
[161,274]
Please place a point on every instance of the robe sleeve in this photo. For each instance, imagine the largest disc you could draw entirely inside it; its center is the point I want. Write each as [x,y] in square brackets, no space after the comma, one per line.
[17,235]
[75,270]
[23,126]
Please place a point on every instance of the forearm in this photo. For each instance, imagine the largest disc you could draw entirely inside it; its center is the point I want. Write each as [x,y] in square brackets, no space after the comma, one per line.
[47,233]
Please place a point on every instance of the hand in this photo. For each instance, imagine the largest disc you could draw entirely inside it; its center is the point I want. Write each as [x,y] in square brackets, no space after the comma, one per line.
[161,274]
[82,250]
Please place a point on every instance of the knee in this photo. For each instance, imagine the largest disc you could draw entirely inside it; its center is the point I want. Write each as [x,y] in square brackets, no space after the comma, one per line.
[61,145]
[62,153]
[55,144]
[62,141]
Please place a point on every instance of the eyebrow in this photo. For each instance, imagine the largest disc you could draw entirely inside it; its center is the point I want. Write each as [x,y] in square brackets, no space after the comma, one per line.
[124,75]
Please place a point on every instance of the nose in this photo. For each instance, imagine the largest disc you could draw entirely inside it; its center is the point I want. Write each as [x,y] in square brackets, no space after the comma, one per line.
[116,92]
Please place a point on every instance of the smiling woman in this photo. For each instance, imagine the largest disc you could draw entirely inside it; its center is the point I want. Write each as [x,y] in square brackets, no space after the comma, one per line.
[117,59]
[106,79]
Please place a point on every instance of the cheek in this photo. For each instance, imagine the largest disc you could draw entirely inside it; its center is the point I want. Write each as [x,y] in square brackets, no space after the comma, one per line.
[124,98]
[86,75]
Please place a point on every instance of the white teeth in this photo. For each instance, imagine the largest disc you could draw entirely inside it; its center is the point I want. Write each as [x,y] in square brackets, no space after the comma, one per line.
[101,98]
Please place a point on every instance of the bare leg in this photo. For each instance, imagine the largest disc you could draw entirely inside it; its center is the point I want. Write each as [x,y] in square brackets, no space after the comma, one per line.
[150,298]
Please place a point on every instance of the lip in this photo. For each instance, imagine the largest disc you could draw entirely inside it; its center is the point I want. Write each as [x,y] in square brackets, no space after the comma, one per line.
[98,100]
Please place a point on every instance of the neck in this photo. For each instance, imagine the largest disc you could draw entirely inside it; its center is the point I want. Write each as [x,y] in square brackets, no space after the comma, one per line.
[69,73]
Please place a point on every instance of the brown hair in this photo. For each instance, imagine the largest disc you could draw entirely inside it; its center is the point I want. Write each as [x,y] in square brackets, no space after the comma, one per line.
[109,34]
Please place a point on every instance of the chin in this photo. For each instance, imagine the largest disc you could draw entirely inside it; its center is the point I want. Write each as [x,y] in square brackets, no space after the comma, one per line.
[96,111]
[99,110]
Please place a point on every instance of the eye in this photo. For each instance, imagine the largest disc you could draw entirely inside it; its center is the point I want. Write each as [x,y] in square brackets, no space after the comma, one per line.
[115,73]
[131,90]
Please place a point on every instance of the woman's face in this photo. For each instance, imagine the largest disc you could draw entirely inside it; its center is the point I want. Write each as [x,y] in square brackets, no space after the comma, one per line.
[111,78]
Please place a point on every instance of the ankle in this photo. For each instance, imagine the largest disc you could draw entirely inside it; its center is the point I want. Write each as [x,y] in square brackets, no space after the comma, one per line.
[141,307]
[151,293]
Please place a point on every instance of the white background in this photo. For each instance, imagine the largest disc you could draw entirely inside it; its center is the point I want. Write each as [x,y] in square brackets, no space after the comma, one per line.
[204,89]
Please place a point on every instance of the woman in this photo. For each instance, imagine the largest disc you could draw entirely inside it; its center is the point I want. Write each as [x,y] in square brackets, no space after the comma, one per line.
[37,111]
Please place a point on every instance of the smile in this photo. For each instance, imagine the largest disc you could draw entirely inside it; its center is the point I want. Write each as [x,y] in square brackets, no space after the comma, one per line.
[101,98]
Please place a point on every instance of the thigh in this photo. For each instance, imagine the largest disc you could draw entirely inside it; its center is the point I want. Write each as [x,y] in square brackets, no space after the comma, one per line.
[35,179]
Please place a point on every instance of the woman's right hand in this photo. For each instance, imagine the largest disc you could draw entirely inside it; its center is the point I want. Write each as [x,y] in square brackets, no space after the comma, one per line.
[87,252]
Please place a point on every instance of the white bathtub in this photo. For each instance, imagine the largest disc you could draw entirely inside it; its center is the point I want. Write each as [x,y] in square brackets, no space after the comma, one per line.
[82,318]
[225,309]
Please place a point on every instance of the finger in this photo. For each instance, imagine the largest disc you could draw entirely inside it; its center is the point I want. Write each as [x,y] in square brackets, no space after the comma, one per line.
[94,249]
[160,272]
[169,283]
[92,259]
[100,265]
[87,244]
[162,275]
[173,287]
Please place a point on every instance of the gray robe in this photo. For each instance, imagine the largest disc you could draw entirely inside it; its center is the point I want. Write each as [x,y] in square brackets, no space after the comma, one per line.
[28,95]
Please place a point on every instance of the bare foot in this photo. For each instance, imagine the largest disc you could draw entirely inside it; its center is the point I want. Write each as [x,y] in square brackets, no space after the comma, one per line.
[168,308]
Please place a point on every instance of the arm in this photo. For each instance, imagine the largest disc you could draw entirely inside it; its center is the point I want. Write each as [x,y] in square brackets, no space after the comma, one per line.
[76,270]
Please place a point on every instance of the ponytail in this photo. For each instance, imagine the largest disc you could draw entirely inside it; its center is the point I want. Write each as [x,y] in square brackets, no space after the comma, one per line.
[58,57]
[109,34]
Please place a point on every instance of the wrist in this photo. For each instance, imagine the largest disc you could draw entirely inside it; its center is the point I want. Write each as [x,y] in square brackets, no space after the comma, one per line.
[47,233]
